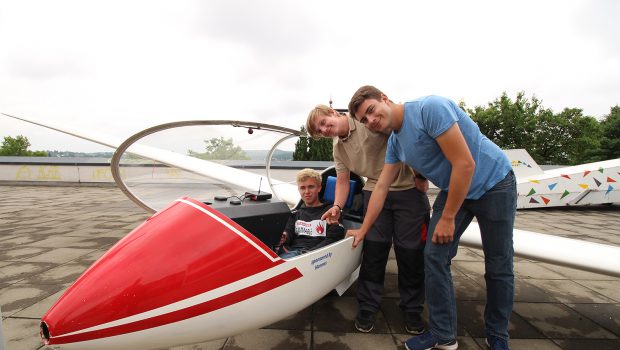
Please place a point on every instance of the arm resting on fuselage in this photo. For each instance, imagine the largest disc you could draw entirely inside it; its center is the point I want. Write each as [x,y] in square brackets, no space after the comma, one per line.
[375,205]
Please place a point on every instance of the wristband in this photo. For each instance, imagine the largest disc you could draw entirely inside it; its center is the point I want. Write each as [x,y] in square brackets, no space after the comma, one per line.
[339,207]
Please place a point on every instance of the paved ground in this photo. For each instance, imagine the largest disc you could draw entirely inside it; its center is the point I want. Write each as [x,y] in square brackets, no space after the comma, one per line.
[49,235]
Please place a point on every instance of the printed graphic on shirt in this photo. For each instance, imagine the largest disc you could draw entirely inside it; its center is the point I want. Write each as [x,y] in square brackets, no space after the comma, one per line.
[314,228]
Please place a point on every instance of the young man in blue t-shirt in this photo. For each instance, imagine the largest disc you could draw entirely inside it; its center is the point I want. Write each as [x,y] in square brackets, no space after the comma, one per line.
[438,139]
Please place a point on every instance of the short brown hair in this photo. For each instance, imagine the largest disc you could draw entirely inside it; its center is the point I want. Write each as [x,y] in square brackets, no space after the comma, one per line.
[308,173]
[362,94]
[319,110]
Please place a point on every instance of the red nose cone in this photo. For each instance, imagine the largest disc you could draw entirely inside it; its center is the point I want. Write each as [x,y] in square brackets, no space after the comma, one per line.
[176,254]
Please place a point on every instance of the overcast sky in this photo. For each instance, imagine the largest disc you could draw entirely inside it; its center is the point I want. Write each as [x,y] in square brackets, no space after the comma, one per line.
[121,66]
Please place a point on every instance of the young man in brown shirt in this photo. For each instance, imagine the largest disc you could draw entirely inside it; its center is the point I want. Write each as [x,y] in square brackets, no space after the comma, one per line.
[402,221]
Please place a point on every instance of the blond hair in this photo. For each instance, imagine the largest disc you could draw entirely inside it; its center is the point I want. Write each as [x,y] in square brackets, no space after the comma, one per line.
[308,173]
[316,112]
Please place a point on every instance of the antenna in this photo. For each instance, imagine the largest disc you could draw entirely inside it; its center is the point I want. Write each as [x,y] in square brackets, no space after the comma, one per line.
[257,196]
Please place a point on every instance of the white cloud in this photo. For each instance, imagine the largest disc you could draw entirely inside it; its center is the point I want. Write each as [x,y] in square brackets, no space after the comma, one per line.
[120,66]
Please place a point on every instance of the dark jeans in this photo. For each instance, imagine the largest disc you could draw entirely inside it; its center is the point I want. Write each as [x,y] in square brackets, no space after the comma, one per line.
[495,213]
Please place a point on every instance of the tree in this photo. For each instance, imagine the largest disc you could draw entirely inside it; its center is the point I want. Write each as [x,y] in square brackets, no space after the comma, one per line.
[509,124]
[220,148]
[301,147]
[307,148]
[565,138]
[610,135]
[18,146]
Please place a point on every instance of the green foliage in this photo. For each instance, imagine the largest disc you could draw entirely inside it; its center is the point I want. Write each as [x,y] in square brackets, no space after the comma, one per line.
[18,146]
[219,149]
[509,124]
[307,148]
[301,147]
[565,138]
[610,143]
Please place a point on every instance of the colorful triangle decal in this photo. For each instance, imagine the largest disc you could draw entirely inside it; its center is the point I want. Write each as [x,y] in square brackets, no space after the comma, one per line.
[545,199]
[532,200]
[598,183]
[584,186]
[532,191]
[609,189]
[566,176]
[609,179]
[535,181]
[601,169]
[552,186]
[566,193]
[585,173]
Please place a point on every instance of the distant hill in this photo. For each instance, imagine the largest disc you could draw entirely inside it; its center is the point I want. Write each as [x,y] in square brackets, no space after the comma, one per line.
[253,154]
[80,154]
[262,154]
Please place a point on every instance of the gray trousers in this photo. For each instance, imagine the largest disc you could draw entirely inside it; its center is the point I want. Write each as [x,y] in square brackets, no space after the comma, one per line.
[403,222]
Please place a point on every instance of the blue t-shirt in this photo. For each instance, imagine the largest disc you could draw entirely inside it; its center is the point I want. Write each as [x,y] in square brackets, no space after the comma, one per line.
[424,120]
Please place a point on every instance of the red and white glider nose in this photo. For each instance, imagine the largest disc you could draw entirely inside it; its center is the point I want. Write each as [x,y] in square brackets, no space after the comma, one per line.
[155,276]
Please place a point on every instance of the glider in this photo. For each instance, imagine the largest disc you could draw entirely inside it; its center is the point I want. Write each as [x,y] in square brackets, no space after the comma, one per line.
[201,270]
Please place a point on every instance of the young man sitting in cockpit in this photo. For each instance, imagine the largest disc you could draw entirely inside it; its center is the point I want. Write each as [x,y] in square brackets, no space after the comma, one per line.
[305,230]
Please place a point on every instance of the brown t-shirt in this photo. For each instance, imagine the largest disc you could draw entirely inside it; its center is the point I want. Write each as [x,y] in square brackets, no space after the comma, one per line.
[363,152]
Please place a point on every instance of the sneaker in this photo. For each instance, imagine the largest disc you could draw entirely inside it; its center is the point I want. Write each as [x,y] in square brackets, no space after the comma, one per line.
[413,323]
[365,321]
[496,343]
[427,341]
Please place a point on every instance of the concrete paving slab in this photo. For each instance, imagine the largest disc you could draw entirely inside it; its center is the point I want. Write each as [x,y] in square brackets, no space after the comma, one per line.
[390,286]
[527,292]
[556,307]
[17,297]
[212,345]
[269,339]
[345,341]
[391,267]
[16,271]
[570,291]
[90,258]
[21,334]
[576,274]
[608,289]
[59,255]
[62,274]
[525,344]
[394,317]
[580,344]
[21,253]
[471,322]
[18,240]
[70,241]
[337,314]
[467,289]
[528,269]
[470,269]
[468,254]
[37,310]
[301,321]
[605,315]
[560,321]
